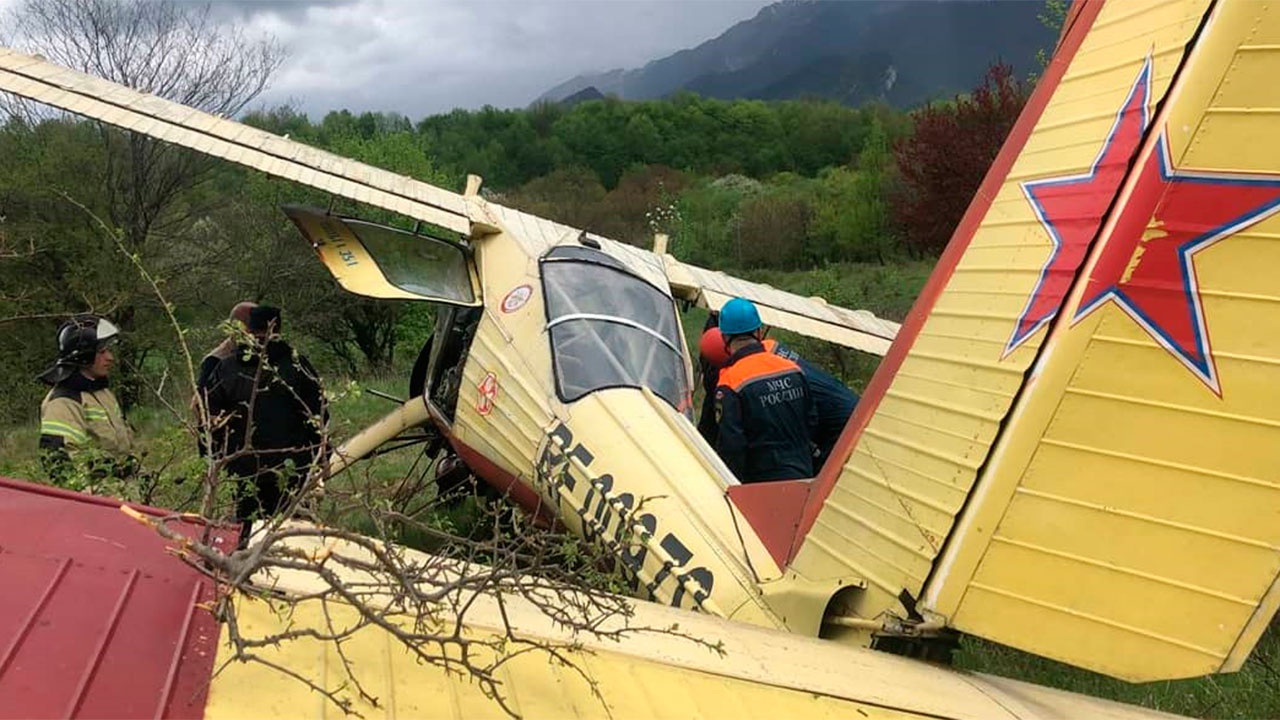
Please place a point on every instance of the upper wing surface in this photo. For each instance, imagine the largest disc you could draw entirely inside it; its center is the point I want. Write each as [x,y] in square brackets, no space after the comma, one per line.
[44,82]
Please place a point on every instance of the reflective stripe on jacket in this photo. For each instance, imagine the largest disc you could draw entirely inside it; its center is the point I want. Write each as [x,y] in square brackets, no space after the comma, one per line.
[85,417]
[78,415]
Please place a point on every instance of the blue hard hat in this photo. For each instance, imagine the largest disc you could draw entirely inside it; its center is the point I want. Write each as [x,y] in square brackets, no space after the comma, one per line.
[739,317]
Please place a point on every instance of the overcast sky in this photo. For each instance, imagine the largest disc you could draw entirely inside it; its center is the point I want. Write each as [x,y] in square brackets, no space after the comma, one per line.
[419,57]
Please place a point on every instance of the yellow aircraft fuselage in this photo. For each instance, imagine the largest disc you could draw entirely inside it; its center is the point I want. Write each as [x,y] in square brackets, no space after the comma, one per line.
[621,465]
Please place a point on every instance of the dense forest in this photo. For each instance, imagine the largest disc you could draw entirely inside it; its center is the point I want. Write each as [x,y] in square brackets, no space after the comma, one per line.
[91,214]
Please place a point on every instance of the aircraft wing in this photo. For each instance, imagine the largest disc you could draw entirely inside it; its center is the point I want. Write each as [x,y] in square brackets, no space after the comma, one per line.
[36,79]
[152,649]
[757,673]
[814,317]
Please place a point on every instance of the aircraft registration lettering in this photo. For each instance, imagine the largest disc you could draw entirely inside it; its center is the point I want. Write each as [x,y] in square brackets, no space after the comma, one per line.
[614,520]
[333,235]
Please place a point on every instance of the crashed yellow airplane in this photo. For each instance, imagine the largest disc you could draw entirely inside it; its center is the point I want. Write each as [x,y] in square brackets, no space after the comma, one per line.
[1070,446]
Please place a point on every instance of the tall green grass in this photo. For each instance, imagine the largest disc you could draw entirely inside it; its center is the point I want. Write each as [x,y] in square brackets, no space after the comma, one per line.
[1251,693]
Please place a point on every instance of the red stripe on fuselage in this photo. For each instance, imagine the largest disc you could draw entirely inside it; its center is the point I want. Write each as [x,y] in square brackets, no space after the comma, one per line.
[522,493]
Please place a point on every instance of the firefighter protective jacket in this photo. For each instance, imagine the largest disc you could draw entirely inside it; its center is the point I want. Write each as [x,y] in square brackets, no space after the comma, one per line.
[766,417]
[80,413]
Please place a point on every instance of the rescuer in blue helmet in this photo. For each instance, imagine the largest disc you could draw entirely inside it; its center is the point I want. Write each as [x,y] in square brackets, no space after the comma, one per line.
[764,407]
[739,317]
[833,399]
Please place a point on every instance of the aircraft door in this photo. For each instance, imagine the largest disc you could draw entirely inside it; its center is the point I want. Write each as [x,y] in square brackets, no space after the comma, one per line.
[383,262]
[437,373]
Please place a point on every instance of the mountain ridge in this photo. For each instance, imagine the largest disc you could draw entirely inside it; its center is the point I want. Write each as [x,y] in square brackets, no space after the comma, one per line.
[903,53]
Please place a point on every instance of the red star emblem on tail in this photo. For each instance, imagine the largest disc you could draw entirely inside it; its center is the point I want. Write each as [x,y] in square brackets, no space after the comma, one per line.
[1071,209]
[1148,266]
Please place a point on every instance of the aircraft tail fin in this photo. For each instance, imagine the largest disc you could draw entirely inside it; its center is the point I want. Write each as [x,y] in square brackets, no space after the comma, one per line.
[1072,447]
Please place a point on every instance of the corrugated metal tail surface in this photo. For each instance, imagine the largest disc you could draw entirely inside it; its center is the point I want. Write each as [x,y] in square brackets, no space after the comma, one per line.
[923,433]
[1129,518]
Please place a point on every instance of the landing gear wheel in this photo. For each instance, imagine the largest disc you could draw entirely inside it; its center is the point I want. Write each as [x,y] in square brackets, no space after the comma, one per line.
[454,480]
[936,649]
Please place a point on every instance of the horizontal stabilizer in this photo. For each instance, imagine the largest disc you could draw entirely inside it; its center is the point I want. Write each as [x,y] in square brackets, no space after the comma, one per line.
[1072,447]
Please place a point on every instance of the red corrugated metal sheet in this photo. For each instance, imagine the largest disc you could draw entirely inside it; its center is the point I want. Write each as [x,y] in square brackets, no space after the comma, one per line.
[97,620]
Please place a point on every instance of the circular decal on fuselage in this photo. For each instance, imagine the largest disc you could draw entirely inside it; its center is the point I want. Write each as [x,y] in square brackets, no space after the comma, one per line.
[516,299]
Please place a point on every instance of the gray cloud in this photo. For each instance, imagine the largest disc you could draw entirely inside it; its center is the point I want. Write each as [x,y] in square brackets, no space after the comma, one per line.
[296,9]
[419,58]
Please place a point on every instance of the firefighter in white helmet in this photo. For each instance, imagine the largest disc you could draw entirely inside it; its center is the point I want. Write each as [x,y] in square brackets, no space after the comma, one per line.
[80,415]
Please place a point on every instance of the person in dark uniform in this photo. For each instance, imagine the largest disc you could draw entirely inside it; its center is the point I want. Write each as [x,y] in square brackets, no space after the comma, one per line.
[764,406]
[834,401]
[266,417]
[204,374]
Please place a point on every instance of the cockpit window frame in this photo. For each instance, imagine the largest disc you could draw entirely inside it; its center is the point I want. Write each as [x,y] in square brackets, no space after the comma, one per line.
[601,259]
[570,253]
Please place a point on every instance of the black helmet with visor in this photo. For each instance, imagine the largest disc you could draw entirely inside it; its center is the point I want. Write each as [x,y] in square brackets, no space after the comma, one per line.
[79,340]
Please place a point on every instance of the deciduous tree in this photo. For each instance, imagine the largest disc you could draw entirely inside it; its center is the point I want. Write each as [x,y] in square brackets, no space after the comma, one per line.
[146,189]
[943,161]
[171,49]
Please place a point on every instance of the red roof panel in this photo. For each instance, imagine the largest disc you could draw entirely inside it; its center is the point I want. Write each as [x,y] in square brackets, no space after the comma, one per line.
[97,619]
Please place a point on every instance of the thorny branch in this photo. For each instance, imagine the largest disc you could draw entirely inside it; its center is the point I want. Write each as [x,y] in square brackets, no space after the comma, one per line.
[422,601]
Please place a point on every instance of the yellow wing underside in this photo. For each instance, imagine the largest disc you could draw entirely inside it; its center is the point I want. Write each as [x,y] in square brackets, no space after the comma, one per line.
[752,673]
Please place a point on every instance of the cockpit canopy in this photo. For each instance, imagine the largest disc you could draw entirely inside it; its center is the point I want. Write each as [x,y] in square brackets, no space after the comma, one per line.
[609,328]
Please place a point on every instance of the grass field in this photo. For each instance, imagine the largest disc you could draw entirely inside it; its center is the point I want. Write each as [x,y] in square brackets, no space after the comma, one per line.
[1254,692]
